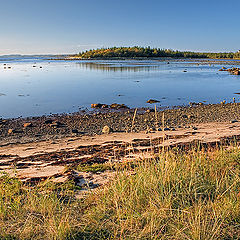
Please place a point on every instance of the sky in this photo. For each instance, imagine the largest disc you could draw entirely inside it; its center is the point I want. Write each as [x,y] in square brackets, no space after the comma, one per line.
[72,26]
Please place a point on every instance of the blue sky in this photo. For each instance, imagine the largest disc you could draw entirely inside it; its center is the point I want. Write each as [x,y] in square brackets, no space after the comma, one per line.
[70,26]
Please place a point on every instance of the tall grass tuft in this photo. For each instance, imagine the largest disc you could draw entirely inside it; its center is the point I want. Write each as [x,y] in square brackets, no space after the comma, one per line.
[177,195]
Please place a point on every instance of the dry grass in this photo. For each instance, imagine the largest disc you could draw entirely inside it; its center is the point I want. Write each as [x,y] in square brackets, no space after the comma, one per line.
[177,195]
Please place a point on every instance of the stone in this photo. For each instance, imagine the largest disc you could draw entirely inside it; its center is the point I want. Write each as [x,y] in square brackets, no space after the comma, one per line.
[152,101]
[105,106]
[48,121]
[233,121]
[10,131]
[27,125]
[96,105]
[150,110]
[106,130]
[118,106]
[74,131]
[56,124]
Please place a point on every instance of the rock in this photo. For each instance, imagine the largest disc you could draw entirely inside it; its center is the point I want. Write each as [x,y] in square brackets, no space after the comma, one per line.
[150,110]
[74,131]
[118,106]
[166,129]
[233,121]
[10,131]
[190,116]
[106,130]
[105,106]
[48,121]
[26,125]
[96,105]
[234,70]
[194,128]
[56,124]
[152,101]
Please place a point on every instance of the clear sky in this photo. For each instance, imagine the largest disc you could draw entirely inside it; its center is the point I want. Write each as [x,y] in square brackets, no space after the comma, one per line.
[70,26]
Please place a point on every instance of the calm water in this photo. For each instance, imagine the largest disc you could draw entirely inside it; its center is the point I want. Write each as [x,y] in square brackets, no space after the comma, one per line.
[67,86]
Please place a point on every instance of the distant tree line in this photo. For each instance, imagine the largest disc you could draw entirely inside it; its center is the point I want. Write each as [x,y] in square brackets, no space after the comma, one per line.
[147,52]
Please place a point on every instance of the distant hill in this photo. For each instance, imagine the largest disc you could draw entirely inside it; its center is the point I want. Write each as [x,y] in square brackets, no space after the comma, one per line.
[147,52]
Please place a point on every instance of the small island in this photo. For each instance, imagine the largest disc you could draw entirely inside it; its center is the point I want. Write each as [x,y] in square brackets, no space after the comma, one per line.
[148,52]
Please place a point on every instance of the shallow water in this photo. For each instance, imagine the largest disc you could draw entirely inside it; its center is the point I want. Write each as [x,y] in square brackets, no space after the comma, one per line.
[33,87]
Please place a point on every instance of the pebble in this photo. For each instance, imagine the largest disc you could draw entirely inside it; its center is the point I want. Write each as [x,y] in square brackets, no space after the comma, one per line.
[106,130]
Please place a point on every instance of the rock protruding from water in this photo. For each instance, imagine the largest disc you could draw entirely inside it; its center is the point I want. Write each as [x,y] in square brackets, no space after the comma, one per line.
[113,106]
[233,70]
[152,101]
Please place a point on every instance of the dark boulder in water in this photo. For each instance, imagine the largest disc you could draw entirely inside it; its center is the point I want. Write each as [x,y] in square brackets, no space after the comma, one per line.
[152,101]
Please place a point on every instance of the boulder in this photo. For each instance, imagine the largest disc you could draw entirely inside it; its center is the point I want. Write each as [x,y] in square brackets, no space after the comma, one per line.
[118,106]
[152,101]
[96,105]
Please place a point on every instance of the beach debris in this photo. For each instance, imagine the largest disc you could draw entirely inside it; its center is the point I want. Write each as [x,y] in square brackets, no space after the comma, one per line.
[152,101]
[106,130]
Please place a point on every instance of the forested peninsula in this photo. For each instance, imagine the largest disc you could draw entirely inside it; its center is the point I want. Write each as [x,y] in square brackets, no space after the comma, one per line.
[148,52]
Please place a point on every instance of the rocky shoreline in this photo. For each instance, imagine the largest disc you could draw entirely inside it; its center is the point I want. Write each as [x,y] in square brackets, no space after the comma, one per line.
[24,130]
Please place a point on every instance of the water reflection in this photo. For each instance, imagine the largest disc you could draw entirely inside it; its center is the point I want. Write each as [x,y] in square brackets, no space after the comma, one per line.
[119,66]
